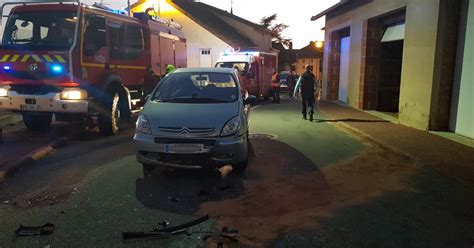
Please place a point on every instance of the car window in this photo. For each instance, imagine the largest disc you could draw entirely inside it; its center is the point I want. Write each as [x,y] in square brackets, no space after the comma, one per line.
[186,87]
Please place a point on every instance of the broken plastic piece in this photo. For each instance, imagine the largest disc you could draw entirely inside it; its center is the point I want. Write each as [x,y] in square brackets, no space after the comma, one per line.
[225,170]
[229,231]
[165,232]
[165,223]
[46,229]
[173,199]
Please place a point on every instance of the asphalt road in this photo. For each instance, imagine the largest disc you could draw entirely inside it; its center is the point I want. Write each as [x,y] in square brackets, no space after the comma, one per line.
[307,185]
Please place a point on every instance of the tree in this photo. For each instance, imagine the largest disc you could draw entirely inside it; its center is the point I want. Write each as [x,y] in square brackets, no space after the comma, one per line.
[277,29]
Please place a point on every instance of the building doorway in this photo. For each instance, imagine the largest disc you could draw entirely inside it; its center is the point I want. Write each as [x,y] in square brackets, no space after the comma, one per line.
[344,69]
[382,70]
[390,75]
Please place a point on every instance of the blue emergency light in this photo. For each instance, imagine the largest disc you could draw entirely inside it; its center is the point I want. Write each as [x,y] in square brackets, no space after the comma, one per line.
[7,68]
[57,68]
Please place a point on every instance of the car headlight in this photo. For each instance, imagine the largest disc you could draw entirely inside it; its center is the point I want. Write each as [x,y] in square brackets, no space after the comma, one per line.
[73,94]
[143,125]
[4,91]
[232,126]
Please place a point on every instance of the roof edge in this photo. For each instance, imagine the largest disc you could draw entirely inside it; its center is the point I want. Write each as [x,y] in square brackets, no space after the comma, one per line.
[212,31]
[330,9]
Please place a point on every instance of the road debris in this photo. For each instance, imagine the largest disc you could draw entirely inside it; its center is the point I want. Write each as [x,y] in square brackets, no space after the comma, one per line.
[165,223]
[6,202]
[230,231]
[165,232]
[42,199]
[225,170]
[46,229]
[173,199]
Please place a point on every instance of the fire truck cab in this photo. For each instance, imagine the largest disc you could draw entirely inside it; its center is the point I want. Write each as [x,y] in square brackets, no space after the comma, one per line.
[256,69]
[82,63]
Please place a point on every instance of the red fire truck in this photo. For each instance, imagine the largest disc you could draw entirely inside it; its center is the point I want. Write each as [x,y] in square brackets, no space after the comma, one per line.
[82,63]
[256,69]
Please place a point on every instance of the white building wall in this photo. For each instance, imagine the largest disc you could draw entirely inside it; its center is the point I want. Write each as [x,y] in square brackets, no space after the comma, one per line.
[197,37]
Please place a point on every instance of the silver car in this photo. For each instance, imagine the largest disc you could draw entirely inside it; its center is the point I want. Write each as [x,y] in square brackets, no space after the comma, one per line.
[196,118]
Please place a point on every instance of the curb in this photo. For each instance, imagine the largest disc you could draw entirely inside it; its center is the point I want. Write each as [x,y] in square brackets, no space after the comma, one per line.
[36,155]
[369,137]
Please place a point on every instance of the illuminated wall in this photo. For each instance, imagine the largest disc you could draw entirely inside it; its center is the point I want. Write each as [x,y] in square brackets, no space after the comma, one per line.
[418,55]
[462,121]
[197,36]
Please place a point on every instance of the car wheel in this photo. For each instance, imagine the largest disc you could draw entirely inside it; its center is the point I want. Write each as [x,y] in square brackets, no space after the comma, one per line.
[37,121]
[242,166]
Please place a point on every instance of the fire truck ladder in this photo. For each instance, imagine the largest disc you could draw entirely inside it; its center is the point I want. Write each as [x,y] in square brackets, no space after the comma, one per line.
[26,2]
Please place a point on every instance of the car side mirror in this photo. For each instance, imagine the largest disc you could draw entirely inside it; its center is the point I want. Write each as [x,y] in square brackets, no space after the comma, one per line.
[250,100]
[147,98]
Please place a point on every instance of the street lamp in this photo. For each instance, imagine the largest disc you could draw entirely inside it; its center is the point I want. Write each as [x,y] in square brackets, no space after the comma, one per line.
[319,44]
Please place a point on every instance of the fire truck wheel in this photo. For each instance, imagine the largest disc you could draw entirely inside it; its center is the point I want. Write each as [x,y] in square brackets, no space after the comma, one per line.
[37,121]
[109,122]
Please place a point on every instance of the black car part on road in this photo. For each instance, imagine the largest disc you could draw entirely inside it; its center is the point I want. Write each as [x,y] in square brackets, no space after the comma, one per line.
[165,232]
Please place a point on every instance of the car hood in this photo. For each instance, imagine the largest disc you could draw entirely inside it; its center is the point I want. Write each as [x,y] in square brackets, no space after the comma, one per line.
[178,119]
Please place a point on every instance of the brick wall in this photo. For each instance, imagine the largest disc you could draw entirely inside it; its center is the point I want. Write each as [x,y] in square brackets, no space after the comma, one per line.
[334,66]
[370,64]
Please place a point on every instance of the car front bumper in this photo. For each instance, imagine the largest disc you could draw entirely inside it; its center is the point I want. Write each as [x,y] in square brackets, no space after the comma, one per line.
[217,152]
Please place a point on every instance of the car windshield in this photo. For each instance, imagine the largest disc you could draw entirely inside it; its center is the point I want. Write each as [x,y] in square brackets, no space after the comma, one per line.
[241,66]
[40,30]
[197,87]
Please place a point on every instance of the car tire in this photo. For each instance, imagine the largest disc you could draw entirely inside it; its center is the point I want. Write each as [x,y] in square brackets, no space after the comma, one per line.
[108,120]
[148,170]
[38,121]
[242,166]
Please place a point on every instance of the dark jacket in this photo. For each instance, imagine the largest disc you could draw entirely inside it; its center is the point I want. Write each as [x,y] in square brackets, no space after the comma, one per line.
[308,84]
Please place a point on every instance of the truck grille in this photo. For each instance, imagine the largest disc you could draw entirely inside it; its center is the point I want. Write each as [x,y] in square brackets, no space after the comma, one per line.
[37,75]
[35,89]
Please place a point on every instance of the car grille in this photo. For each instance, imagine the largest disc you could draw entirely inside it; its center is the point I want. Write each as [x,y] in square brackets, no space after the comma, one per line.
[206,142]
[186,130]
[34,89]
[181,159]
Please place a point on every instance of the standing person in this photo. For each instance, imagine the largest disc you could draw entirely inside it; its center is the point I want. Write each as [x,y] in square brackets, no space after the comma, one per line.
[307,83]
[291,82]
[276,86]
